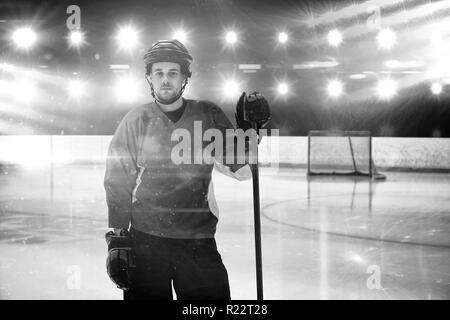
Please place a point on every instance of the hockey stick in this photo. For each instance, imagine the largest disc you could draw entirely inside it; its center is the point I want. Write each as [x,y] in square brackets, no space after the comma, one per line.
[256,112]
[257,221]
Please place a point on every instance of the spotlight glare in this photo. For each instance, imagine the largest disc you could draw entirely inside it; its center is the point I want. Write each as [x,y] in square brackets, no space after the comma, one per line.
[283,88]
[127,37]
[386,89]
[334,38]
[283,37]
[76,89]
[24,37]
[180,35]
[231,37]
[335,88]
[231,88]
[76,38]
[126,89]
[386,38]
[436,88]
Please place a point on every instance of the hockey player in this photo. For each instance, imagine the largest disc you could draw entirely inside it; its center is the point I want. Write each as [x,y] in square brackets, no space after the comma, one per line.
[167,208]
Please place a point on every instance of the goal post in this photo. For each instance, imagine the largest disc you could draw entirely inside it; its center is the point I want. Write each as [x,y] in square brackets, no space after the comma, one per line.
[334,152]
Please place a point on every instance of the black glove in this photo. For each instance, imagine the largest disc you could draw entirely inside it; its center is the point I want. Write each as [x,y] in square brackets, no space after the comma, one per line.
[120,263]
[252,108]
[240,121]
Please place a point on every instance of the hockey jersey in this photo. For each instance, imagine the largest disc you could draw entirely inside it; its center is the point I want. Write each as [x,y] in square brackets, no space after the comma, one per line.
[146,189]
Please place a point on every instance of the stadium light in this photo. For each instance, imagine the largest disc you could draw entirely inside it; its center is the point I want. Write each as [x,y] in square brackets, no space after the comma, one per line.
[335,88]
[231,88]
[24,37]
[334,38]
[127,37]
[386,89]
[76,38]
[231,37]
[126,89]
[76,89]
[283,37]
[436,88]
[180,35]
[386,38]
[283,88]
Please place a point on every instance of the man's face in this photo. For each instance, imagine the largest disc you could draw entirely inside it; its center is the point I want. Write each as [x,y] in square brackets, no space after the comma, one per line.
[167,80]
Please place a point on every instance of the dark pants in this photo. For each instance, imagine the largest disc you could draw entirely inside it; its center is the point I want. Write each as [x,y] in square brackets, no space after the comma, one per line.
[193,265]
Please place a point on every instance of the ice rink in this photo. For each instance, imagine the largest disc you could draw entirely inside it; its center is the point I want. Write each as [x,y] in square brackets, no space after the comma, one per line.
[322,238]
[354,88]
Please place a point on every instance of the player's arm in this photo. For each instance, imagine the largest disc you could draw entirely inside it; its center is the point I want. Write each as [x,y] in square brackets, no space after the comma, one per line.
[120,176]
[232,161]
[245,140]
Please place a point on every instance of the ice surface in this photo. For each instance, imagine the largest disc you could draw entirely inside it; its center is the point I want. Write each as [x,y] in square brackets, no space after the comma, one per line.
[325,238]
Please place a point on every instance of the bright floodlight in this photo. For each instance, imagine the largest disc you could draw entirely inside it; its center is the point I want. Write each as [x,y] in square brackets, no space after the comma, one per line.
[283,88]
[76,89]
[386,88]
[231,37]
[231,88]
[76,38]
[126,89]
[334,38]
[127,37]
[180,35]
[24,37]
[283,37]
[436,88]
[386,38]
[335,88]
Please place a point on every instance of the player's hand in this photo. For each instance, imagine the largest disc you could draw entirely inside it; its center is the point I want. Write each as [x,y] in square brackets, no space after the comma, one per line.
[257,108]
[117,231]
[240,121]
[253,107]
[120,262]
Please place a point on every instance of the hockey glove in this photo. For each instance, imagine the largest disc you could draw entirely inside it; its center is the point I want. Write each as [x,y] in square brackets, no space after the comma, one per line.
[240,120]
[120,263]
[252,108]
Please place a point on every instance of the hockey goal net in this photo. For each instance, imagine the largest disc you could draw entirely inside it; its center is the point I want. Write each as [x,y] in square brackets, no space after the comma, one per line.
[341,153]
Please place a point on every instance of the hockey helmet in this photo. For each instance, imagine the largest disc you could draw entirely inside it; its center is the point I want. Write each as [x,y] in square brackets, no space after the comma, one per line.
[168,51]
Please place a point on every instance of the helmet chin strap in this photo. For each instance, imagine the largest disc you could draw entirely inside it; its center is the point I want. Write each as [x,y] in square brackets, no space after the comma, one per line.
[166,102]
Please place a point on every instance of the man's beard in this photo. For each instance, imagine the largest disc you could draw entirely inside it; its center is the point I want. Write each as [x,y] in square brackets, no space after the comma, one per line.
[170,99]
